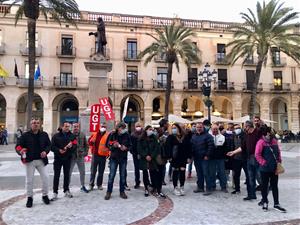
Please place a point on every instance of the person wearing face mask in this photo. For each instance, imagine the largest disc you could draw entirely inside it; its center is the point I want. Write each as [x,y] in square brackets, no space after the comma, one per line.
[177,145]
[268,154]
[229,137]
[190,133]
[100,152]
[134,140]
[148,150]
[202,144]
[206,124]
[239,159]
[119,144]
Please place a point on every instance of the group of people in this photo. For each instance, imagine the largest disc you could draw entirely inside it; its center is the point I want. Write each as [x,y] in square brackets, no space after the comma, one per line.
[214,150]
[3,136]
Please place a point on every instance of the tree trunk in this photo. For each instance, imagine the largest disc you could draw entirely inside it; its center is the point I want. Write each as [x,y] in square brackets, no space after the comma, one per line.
[31,26]
[254,90]
[168,89]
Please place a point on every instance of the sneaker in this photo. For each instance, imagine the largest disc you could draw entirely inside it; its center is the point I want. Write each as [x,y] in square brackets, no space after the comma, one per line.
[83,189]
[146,193]
[68,194]
[29,202]
[181,190]
[209,192]
[236,192]
[46,200]
[177,191]
[162,195]
[91,187]
[107,196]
[265,207]
[260,203]
[100,187]
[198,190]
[127,188]
[279,208]
[54,197]
[249,198]
[123,195]
[224,190]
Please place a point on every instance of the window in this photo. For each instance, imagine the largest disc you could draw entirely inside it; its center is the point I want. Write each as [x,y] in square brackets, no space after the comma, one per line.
[221,52]
[27,69]
[67,45]
[132,76]
[250,75]
[192,78]
[66,76]
[276,56]
[36,39]
[156,104]
[278,80]
[222,79]
[131,49]
[162,77]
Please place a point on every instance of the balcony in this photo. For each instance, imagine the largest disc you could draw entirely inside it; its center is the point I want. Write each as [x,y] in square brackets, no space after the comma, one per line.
[23,82]
[251,61]
[220,59]
[279,62]
[131,55]
[158,85]
[24,50]
[132,84]
[224,86]
[192,85]
[160,59]
[70,83]
[65,52]
[247,87]
[2,48]
[283,87]
[106,53]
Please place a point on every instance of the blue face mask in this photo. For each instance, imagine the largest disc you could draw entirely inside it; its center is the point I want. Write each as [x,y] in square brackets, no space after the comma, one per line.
[206,128]
[174,131]
[193,129]
[155,132]
[123,131]
[149,133]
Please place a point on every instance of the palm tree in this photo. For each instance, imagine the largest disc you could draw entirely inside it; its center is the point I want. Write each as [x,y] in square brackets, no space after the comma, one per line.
[172,42]
[269,28]
[58,10]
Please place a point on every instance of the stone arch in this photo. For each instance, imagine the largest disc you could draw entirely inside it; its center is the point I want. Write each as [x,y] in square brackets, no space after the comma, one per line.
[2,110]
[279,113]
[246,107]
[158,107]
[192,107]
[222,106]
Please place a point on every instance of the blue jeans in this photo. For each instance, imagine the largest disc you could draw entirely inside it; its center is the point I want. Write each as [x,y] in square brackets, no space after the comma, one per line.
[113,166]
[202,169]
[218,167]
[253,168]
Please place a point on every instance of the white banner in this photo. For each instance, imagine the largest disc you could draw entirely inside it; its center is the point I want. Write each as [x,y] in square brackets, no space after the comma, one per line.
[125,108]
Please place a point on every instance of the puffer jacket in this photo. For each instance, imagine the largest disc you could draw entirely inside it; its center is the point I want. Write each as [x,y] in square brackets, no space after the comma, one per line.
[202,145]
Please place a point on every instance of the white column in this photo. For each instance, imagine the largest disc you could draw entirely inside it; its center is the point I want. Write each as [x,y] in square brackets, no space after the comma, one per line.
[11,122]
[48,120]
[147,115]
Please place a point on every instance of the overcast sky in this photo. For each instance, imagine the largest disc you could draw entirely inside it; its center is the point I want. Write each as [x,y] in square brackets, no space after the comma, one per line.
[218,10]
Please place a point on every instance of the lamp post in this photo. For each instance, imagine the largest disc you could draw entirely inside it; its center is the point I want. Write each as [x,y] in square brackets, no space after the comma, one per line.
[207,77]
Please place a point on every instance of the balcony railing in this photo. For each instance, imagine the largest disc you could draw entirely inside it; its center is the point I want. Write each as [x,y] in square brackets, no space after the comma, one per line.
[106,53]
[249,87]
[160,59]
[251,61]
[283,87]
[220,59]
[23,82]
[70,82]
[132,84]
[2,48]
[192,85]
[226,86]
[161,85]
[24,50]
[66,52]
[131,55]
[279,62]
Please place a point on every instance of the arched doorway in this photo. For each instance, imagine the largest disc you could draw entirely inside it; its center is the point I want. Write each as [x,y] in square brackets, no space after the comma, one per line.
[246,108]
[135,110]
[222,107]
[37,109]
[2,111]
[192,108]
[64,108]
[279,114]
[158,108]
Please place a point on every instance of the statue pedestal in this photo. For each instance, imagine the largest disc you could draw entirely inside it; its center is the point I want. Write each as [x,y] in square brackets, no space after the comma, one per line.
[98,88]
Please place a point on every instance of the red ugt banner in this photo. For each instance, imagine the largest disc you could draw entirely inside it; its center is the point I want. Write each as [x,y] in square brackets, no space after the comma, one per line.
[106,109]
[95,118]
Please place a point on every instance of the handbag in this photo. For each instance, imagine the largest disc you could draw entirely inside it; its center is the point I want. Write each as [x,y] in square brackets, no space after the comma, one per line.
[279,167]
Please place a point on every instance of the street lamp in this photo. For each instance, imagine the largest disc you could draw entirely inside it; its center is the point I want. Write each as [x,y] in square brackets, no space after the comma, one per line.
[206,77]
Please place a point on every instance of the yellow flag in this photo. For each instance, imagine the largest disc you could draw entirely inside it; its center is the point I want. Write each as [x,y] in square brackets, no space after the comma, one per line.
[3,72]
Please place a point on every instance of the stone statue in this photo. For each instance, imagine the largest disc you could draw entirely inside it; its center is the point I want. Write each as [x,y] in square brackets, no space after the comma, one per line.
[101,37]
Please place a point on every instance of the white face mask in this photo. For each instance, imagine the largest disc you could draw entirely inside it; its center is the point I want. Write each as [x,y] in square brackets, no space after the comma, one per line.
[102,129]
[238,131]
[138,129]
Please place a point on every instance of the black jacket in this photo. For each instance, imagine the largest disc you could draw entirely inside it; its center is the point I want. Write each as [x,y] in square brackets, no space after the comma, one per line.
[59,141]
[123,139]
[134,141]
[27,141]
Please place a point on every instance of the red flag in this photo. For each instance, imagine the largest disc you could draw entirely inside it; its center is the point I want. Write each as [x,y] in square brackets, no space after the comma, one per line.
[106,109]
[95,118]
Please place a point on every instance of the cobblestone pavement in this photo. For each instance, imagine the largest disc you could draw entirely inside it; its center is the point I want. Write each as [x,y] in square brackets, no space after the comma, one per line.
[219,208]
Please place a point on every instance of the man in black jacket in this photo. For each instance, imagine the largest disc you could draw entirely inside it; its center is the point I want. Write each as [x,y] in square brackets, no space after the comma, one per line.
[63,145]
[33,147]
